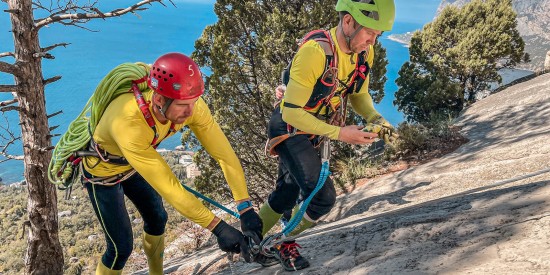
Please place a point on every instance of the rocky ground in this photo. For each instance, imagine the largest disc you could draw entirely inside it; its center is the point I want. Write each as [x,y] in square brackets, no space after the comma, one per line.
[483,209]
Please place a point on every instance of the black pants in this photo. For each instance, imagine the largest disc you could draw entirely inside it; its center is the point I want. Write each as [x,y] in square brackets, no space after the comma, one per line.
[299,169]
[110,208]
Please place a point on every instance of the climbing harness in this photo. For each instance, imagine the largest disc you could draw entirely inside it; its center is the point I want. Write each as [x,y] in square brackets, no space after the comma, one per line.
[273,142]
[66,163]
[325,88]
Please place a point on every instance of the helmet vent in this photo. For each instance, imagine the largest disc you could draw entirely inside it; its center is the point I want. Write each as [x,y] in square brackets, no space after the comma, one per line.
[365,1]
[371,14]
[169,72]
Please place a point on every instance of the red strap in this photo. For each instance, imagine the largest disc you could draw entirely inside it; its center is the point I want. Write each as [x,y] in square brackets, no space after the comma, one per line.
[141,80]
[144,107]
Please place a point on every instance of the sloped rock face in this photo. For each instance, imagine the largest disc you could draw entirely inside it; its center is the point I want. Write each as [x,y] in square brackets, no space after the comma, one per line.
[483,209]
[533,25]
[547,61]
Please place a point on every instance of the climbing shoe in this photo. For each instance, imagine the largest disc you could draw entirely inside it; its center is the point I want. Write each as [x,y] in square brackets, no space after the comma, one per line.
[266,261]
[289,257]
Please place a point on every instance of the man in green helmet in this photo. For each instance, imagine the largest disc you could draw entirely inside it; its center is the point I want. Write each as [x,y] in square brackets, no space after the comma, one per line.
[322,74]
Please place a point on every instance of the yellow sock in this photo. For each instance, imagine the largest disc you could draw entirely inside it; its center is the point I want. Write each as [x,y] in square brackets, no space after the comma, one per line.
[101,269]
[305,223]
[269,217]
[154,250]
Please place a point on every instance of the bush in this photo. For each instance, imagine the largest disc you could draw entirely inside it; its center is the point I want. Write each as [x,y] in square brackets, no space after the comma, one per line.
[428,140]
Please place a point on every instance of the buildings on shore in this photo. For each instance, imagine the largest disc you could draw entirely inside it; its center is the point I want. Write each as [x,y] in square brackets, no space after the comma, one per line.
[186,160]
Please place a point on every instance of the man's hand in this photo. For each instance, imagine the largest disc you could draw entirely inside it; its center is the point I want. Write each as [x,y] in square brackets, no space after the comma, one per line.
[231,240]
[384,130]
[353,134]
[251,225]
[280,91]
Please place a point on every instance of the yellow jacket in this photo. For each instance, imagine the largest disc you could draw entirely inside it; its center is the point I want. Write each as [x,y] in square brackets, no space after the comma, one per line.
[307,66]
[123,131]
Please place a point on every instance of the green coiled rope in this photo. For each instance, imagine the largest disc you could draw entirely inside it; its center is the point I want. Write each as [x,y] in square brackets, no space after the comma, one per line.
[116,82]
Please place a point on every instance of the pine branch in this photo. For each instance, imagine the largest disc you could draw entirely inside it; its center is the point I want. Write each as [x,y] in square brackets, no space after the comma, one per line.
[9,88]
[8,142]
[51,80]
[9,108]
[8,102]
[54,114]
[76,18]
[9,68]
[49,48]
[10,157]
[43,55]
[7,54]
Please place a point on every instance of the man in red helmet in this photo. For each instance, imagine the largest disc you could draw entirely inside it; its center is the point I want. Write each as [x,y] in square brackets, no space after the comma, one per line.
[131,131]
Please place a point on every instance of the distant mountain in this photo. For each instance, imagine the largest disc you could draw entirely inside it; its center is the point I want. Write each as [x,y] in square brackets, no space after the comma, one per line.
[533,25]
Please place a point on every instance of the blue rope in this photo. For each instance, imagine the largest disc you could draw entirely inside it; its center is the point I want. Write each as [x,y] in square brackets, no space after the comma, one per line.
[217,204]
[298,216]
[295,220]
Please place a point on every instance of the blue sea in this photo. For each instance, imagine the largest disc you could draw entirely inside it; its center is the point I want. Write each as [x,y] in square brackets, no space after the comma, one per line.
[152,33]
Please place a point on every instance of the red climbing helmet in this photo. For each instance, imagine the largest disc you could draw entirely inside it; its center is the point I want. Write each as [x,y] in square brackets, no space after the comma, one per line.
[176,76]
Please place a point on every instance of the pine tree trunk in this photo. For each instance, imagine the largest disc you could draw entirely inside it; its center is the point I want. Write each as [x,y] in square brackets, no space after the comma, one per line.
[44,254]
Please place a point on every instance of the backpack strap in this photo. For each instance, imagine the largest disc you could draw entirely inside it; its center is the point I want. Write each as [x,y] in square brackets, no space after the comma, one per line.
[144,107]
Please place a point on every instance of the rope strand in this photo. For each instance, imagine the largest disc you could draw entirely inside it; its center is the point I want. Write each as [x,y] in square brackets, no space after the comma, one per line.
[116,82]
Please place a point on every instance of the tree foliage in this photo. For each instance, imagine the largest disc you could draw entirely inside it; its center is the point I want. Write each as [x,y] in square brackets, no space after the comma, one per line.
[246,50]
[456,56]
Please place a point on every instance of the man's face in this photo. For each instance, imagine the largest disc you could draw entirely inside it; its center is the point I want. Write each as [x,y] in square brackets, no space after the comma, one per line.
[180,110]
[364,39]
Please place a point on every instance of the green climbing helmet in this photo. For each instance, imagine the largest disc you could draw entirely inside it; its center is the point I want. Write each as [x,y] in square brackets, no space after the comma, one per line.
[372,14]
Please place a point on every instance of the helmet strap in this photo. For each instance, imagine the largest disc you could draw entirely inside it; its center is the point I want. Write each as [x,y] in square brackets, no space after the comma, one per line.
[167,103]
[350,37]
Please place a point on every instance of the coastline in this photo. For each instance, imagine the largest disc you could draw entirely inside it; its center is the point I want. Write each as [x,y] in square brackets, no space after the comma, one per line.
[404,38]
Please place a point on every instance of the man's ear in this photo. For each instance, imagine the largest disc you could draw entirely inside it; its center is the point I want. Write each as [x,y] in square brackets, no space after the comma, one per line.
[158,100]
[348,19]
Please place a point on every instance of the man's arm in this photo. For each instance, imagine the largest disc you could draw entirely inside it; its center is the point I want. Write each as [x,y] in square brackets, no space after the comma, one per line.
[210,135]
[294,114]
[307,66]
[363,105]
[153,168]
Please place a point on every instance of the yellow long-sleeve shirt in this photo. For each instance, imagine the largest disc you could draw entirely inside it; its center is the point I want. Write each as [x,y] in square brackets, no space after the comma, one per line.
[307,66]
[123,131]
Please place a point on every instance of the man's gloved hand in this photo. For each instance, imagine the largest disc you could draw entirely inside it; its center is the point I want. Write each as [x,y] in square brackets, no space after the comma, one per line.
[231,240]
[252,223]
[384,130]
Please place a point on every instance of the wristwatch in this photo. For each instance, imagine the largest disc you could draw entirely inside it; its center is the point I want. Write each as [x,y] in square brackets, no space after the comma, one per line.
[243,205]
